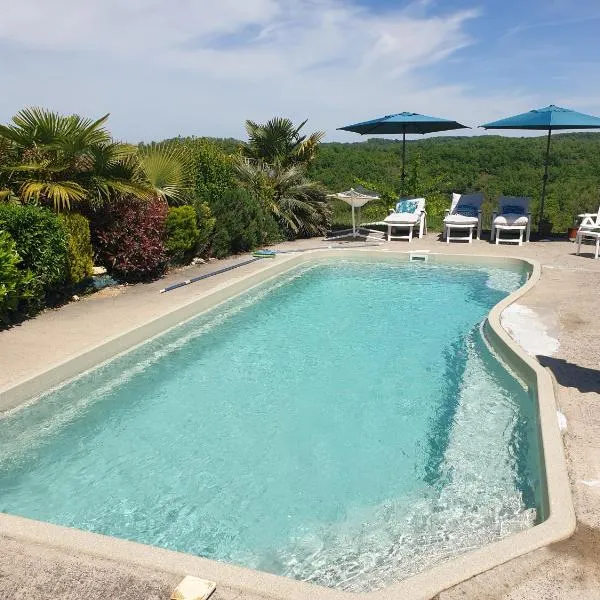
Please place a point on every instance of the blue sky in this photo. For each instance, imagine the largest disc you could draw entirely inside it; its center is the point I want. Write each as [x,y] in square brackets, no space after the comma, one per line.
[163,68]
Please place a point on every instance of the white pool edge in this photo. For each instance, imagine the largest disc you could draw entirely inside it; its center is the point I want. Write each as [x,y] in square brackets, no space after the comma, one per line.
[559,525]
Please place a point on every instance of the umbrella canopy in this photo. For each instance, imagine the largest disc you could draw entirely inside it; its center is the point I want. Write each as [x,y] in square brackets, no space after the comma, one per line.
[549,118]
[403,123]
[355,198]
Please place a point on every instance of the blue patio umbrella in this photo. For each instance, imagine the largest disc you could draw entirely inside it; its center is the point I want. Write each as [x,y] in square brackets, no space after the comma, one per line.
[403,123]
[550,118]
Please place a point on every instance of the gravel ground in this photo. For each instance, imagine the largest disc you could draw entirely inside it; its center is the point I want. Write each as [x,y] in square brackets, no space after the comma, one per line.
[566,300]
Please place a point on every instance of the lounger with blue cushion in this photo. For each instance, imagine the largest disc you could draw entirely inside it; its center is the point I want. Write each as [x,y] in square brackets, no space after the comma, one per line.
[513,215]
[464,214]
[407,214]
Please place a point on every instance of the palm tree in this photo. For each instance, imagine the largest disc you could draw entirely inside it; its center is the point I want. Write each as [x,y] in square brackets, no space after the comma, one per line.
[297,204]
[64,159]
[167,168]
[275,159]
[279,142]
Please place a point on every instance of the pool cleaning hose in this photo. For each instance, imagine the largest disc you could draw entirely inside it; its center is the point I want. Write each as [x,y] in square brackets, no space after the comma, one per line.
[257,255]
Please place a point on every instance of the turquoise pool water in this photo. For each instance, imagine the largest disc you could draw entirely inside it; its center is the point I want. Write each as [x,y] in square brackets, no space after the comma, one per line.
[345,425]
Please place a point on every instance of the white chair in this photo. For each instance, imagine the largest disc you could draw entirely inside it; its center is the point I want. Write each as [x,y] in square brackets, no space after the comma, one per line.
[590,229]
[407,215]
[513,215]
[464,214]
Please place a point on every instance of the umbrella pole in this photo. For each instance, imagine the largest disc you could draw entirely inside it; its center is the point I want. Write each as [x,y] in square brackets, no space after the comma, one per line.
[544,181]
[353,223]
[403,176]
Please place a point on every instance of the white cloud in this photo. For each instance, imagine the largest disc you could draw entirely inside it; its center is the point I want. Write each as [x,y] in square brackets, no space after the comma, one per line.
[202,67]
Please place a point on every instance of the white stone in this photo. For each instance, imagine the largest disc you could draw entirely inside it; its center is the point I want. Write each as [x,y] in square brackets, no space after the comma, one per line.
[562,420]
[75,298]
[527,329]
[193,588]
[99,271]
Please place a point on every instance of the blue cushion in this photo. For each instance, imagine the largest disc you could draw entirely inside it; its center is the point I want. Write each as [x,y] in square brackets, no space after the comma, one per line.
[513,209]
[406,206]
[466,210]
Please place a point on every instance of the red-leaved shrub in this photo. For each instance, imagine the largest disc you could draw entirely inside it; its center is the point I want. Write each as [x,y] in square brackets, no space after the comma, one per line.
[129,237]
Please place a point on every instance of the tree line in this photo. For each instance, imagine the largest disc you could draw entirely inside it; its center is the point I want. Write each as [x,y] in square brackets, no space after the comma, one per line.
[492,164]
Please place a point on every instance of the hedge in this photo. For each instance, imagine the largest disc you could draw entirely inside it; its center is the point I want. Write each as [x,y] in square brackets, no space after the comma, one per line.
[41,243]
[79,244]
[16,285]
[242,224]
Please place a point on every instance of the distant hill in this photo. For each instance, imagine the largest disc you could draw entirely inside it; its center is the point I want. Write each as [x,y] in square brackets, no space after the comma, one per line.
[493,164]
[227,145]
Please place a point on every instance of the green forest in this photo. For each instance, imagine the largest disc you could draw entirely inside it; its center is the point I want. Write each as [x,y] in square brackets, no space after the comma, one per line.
[495,165]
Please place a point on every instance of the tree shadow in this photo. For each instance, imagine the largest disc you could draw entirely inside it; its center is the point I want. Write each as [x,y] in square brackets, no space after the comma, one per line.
[571,375]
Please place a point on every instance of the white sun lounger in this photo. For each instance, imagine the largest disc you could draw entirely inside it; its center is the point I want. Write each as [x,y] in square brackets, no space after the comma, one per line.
[408,214]
[512,215]
[589,229]
[464,214]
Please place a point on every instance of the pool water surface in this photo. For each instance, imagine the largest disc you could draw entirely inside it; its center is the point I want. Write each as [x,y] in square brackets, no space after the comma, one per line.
[345,424]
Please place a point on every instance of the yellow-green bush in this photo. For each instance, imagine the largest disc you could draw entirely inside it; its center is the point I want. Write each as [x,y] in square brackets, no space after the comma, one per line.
[182,231]
[206,225]
[79,245]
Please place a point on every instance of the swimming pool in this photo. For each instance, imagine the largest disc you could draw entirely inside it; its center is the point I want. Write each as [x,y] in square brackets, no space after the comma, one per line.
[345,424]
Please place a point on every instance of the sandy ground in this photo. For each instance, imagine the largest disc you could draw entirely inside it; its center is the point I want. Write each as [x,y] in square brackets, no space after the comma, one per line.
[566,301]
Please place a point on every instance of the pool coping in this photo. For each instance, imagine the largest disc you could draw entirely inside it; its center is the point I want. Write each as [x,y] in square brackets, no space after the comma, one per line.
[559,524]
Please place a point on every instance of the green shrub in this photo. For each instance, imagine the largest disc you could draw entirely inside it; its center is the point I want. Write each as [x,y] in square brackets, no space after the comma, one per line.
[10,277]
[241,223]
[206,225]
[80,253]
[16,285]
[41,243]
[182,231]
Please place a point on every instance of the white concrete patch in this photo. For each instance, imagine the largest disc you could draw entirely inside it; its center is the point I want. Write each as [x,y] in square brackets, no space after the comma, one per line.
[528,330]
[562,420]
[193,588]
[592,483]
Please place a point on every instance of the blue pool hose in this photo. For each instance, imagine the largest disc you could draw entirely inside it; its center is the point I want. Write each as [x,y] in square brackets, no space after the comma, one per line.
[207,275]
[257,256]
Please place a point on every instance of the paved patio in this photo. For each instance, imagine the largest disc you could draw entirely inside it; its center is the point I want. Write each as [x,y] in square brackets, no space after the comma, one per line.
[566,301]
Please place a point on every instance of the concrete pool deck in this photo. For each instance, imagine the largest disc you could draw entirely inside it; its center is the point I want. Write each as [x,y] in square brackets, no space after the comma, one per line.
[565,301]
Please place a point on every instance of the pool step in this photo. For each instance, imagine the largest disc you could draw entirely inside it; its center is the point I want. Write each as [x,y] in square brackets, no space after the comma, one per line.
[193,588]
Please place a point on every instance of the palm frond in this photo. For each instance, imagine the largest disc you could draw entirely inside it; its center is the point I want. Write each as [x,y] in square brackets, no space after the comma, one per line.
[279,142]
[103,189]
[297,204]
[167,168]
[61,194]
